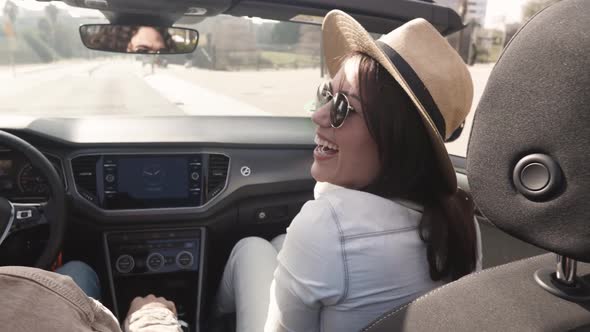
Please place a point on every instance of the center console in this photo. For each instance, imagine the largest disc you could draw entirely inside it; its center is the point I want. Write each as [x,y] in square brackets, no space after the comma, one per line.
[132,182]
[116,182]
[166,262]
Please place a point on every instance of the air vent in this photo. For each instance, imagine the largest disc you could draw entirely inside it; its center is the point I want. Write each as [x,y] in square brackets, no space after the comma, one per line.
[217,175]
[85,176]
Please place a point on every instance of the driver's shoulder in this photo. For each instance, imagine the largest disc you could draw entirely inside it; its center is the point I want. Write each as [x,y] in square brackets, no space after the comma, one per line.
[35,299]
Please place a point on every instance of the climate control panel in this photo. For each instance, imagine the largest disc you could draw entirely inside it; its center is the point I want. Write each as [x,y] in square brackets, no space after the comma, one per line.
[150,252]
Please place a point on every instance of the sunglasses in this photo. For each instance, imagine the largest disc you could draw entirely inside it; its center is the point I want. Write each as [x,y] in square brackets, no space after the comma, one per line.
[340,105]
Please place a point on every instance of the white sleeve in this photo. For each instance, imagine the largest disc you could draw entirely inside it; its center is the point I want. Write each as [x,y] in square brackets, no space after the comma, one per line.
[152,318]
[310,272]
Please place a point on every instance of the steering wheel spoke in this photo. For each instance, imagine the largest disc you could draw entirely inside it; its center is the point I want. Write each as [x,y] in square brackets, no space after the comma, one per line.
[27,216]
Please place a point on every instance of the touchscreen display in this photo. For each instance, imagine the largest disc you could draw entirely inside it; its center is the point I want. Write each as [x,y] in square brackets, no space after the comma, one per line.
[153,177]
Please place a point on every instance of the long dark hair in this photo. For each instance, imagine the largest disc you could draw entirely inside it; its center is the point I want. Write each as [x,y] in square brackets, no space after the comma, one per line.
[409,171]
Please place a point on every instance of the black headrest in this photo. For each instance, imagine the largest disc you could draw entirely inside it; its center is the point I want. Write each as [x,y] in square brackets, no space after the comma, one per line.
[528,159]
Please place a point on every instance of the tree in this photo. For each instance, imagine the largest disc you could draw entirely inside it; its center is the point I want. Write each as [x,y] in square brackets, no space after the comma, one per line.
[44,28]
[285,33]
[10,10]
[51,11]
[511,30]
[531,7]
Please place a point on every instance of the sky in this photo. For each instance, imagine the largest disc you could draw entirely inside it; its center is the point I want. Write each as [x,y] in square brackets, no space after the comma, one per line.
[36,5]
[498,11]
[503,10]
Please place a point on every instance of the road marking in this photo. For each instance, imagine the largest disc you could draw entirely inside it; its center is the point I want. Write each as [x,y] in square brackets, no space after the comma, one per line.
[196,100]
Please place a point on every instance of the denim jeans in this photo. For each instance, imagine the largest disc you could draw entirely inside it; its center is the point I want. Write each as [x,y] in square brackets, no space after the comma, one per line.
[84,276]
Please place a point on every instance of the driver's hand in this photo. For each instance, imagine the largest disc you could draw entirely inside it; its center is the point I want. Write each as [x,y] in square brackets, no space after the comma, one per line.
[150,301]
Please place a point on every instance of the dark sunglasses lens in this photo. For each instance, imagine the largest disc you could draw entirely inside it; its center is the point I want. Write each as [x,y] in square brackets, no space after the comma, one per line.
[339,110]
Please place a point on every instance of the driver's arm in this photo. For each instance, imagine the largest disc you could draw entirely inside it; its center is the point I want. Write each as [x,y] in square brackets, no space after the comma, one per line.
[151,314]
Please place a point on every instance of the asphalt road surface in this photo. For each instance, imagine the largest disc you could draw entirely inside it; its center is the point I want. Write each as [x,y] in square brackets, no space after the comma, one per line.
[124,87]
[92,88]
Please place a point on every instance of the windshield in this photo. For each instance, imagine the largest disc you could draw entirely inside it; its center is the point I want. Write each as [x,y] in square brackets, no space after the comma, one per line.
[242,66]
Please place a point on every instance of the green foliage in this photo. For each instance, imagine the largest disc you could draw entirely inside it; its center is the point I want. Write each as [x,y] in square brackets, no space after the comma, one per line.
[531,7]
[285,33]
[183,48]
[287,59]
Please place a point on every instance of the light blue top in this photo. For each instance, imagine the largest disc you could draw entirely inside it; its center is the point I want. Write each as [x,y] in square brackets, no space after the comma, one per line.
[348,258]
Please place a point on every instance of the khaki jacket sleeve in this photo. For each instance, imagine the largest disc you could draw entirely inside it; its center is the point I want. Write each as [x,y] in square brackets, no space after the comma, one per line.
[35,300]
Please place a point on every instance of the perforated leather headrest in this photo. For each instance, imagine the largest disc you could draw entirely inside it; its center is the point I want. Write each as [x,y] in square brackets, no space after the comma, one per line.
[528,159]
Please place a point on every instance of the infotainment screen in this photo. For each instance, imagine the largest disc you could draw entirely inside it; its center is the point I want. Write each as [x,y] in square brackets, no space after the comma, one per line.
[150,181]
[153,178]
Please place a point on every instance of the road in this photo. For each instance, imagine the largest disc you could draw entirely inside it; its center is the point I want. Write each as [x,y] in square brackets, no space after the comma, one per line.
[123,87]
[93,88]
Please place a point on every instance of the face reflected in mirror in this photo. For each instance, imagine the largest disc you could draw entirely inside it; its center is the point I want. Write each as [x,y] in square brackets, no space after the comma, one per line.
[139,39]
[148,40]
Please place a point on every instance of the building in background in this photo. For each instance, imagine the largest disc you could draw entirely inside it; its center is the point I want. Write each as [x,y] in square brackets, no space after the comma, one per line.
[456,5]
[467,42]
[461,40]
[476,11]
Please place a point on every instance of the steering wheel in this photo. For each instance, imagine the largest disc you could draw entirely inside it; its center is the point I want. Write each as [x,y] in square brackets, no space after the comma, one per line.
[19,216]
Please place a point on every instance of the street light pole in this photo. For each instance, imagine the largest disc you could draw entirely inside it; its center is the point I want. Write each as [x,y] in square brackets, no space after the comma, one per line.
[463,15]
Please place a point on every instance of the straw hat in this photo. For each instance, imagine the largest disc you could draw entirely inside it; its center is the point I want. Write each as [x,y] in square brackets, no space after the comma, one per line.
[424,64]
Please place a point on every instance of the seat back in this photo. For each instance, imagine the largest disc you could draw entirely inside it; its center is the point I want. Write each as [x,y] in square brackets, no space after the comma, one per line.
[527,165]
[503,298]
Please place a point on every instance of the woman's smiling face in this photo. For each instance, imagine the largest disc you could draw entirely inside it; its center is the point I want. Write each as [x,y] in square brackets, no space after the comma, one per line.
[346,156]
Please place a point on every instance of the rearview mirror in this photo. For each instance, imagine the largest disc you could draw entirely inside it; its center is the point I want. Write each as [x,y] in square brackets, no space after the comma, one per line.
[135,39]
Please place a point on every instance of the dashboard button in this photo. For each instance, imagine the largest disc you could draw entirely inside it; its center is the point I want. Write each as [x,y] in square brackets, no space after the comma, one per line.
[184,259]
[87,195]
[110,178]
[195,176]
[155,261]
[125,264]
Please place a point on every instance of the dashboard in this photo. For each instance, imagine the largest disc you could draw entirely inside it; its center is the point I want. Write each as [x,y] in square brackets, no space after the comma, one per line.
[145,181]
[139,170]
[162,195]
[21,181]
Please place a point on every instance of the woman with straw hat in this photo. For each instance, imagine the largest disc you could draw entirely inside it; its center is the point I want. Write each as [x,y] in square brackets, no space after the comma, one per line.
[388,223]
